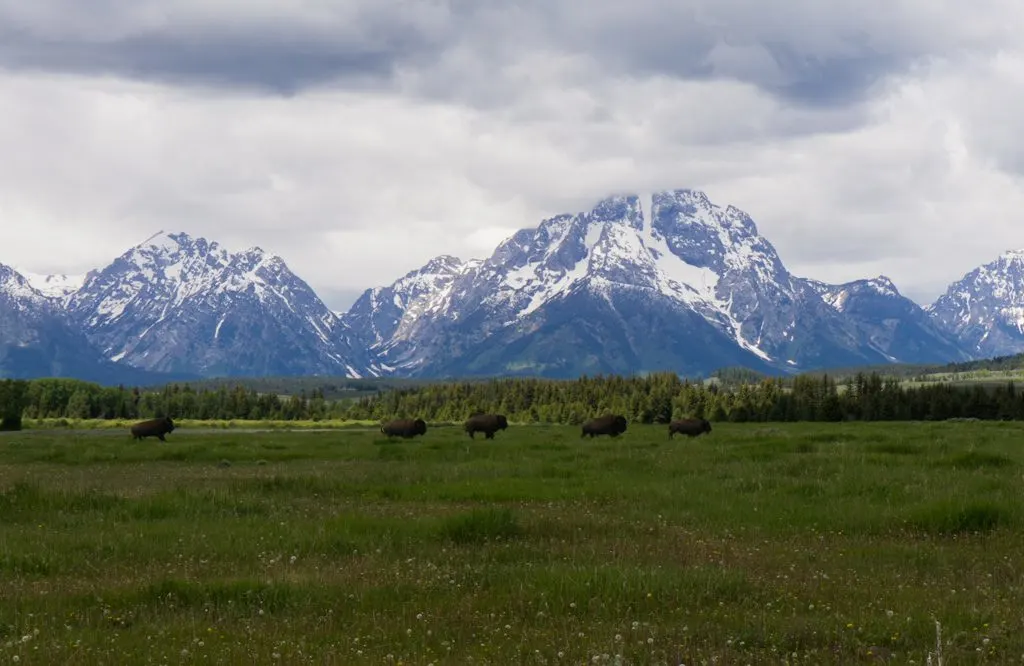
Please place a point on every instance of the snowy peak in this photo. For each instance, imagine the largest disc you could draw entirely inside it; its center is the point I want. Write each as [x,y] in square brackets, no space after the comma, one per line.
[17,290]
[704,234]
[839,295]
[674,245]
[178,303]
[1001,280]
[172,268]
[55,287]
[672,256]
[889,322]
[1012,256]
[883,285]
[384,314]
[162,250]
[620,209]
[617,241]
[985,308]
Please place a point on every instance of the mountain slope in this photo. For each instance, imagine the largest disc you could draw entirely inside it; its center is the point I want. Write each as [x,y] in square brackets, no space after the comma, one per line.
[53,286]
[892,323]
[649,280]
[37,341]
[177,303]
[985,308]
[592,329]
[383,314]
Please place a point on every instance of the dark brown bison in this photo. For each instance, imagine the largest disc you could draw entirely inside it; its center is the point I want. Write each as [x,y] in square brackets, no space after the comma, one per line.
[609,424]
[404,428]
[488,424]
[689,427]
[153,428]
[10,423]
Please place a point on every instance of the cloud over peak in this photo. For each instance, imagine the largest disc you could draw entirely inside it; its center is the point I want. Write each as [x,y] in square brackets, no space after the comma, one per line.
[360,138]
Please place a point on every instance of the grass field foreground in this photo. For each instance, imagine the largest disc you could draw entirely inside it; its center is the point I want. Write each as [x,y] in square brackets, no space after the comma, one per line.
[760,543]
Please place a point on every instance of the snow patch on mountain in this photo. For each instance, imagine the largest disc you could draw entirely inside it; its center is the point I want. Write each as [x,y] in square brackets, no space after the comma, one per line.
[53,286]
[985,308]
[838,295]
[18,291]
[183,303]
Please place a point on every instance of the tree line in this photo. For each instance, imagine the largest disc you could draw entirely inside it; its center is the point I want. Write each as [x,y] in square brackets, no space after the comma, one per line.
[656,398]
[74,399]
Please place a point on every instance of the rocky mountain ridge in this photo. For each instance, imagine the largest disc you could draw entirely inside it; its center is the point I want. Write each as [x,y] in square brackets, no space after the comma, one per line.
[660,281]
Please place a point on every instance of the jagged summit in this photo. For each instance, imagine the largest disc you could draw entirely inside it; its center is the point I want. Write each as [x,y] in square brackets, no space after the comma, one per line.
[704,268]
[648,281]
[985,308]
[838,295]
[17,290]
[889,322]
[36,340]
[56,287]
[180,303]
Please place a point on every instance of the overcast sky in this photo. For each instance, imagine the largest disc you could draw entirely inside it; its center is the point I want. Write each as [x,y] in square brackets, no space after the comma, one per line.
[359,138]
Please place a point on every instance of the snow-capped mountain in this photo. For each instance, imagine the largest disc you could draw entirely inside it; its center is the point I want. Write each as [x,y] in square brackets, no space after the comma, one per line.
[661,281]
[667,281]
[892,323]
[53,286]
[984,310]
[175,303]
[382,314]
[37,341]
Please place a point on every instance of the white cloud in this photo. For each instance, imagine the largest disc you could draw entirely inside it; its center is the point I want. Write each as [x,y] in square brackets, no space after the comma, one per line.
[861,141]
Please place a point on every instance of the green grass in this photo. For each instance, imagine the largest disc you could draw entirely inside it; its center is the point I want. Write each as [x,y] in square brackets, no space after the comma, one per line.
[125,424]
[761,543]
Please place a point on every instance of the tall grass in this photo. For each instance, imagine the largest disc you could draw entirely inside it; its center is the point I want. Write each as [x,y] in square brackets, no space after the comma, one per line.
[778,543]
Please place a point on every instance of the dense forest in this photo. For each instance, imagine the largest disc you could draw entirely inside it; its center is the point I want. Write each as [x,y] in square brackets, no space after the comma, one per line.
[343,388]
[655,398]
[331,388]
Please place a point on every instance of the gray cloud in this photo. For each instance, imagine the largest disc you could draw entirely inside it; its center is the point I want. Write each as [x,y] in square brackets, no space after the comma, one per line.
[274,63]
[360,139]
[802,51]
[282,55]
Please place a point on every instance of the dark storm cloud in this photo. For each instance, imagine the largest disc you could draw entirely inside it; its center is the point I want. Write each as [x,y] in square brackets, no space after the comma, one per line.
[822,82]
[467,45]
[283,66]
[216,45]
[274,61]
[327,132]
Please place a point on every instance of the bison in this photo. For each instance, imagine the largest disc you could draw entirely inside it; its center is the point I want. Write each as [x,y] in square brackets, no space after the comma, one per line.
[689,427]
[10,423]
[153,428]
[485,423]
[404,428]
[609,424]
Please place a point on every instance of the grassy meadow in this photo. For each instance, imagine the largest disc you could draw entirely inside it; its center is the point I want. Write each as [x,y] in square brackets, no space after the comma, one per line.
[758,544]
